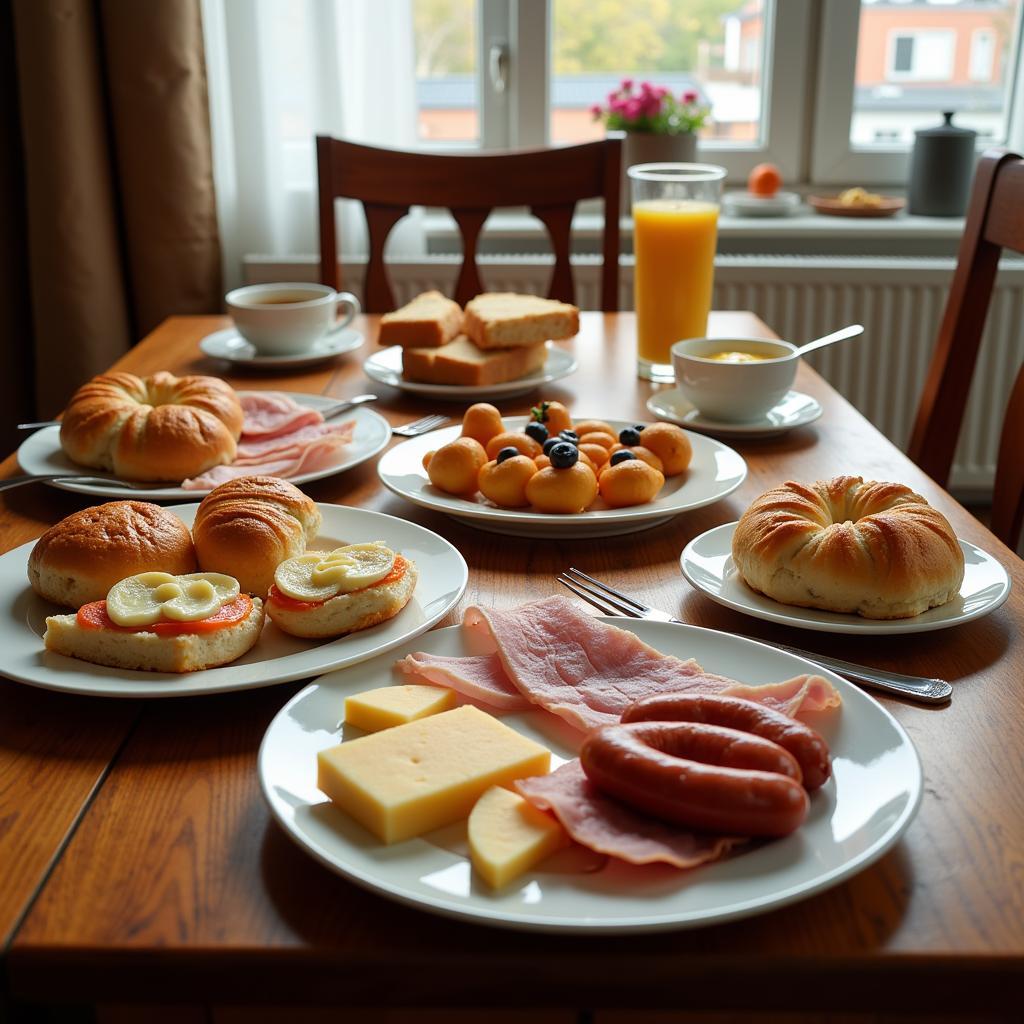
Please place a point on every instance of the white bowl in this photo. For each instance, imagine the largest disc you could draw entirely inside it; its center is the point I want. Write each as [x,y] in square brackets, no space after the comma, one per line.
[734,392]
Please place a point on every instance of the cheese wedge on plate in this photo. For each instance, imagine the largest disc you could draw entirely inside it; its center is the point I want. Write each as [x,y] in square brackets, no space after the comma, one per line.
[389,706]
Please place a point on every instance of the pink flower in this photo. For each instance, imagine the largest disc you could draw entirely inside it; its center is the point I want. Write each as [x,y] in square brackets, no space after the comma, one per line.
[690,96]
[596,110]
[627,85]
[633,109]
[650,105]
[617,105]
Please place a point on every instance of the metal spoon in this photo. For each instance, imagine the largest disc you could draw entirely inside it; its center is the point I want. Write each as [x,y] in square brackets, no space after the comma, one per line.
[847,332]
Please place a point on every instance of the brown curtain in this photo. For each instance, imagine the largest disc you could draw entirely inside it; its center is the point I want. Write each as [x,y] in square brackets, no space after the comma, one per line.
[109,170]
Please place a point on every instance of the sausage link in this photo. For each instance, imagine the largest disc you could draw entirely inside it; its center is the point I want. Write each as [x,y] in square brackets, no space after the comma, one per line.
[806,745]
[706,777]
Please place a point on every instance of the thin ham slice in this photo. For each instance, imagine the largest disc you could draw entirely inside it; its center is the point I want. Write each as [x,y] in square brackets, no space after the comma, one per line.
[479,677]
[602,824]
[270,414]
[289,445]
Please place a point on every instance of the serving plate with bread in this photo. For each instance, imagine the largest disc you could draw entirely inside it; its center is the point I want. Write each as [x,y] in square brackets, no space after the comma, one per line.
[256,585]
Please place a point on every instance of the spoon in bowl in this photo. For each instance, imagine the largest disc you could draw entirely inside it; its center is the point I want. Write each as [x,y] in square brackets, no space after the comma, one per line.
[830,339]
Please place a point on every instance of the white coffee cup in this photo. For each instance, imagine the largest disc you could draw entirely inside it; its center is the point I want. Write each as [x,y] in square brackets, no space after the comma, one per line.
[289,318]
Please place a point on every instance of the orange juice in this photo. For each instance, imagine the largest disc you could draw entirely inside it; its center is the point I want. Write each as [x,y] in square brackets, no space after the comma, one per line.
[674,242]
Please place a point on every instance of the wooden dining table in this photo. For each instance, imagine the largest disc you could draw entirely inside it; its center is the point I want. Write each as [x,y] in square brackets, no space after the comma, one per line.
[140,864]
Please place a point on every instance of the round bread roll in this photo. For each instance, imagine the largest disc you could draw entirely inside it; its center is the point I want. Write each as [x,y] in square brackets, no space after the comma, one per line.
[846,545]
[158,428]
[84,555]
[248,526]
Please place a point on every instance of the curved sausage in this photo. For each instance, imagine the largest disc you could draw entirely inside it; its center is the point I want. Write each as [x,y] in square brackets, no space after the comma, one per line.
[706,777]
[806,745]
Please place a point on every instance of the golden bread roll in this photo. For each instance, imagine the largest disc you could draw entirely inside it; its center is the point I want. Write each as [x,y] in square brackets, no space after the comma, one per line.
[154,428]
[846,545]
[84,555]
[248,526]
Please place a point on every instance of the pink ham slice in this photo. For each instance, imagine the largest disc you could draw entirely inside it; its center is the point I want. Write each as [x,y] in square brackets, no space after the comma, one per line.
[609,827]
[479,677]
[270,414]
[289,445]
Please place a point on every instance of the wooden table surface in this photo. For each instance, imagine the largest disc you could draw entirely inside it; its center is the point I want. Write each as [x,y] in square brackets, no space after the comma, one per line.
[140,861]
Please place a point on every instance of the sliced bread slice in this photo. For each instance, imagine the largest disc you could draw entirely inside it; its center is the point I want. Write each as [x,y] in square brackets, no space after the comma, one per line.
[462,362]
[430,320]
[504,320]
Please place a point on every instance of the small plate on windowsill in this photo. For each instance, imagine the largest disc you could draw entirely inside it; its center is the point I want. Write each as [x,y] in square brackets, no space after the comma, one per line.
[832,206]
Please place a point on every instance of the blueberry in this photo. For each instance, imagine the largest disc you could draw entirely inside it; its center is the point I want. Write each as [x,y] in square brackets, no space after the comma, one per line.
[630,435]
[569,435]
[551,442]
[537,431]
[563,455]
[621,456]
[509,452]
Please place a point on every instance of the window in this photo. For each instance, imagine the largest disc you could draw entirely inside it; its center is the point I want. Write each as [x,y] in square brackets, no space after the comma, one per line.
[446,53]
[983,51]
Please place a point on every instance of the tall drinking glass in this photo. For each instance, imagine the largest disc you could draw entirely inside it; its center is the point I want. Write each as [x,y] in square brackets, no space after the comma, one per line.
[675,225]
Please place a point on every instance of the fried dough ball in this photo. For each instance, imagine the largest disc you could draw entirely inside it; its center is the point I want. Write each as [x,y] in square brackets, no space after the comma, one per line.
[482,422]
[595,427]
[642,452]
[562,491]
[522,442]
[631,482]
[599,437]
[671,445]
[454,468]
[426,460]
[597,454]
[504,483]
[554,416]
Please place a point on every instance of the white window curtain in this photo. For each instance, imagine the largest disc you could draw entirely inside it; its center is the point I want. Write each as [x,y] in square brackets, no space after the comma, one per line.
[280,72]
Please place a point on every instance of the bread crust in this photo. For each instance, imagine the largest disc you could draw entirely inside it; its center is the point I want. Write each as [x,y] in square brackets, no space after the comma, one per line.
[160,427]
[248,526]
[845,545]
[428,321]
[80,558]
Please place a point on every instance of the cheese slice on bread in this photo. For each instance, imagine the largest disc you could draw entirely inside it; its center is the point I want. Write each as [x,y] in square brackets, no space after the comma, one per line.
[429,321]
[507,320]
[461,362]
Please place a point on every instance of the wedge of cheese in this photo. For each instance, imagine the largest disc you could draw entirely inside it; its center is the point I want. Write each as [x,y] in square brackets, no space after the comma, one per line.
[508,835]
[416,777]
[395,705]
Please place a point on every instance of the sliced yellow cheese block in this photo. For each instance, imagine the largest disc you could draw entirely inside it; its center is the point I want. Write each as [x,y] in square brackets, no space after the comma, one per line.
[508,835]
[416,777]
[395,705]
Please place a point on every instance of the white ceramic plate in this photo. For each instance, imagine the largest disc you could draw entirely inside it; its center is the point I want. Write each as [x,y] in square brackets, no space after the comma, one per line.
[275,658]
[715,472]
[41,454]
[795,410]
[385,367]
[854,818]
[707,564]
[230,346]
[745,204]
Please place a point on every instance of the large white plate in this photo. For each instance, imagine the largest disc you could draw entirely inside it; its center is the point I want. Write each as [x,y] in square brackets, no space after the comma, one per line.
[707,564]
[385,367]
[41,454]
[715,472]
[858,815]
[230,346]
[795,410]
[276,657]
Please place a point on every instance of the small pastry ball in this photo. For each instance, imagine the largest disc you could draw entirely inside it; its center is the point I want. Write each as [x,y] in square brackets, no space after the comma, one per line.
[542,461]
[597,454]
[671,445]
[642,452]
[562,491]
[595,427]
[454,468]
[523,442]
[482,422]
[554,416]
[427,458]
[505,482]
[599,437]
[632,482]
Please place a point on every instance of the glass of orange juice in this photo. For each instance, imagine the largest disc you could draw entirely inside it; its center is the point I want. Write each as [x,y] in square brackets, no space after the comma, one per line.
[675,226]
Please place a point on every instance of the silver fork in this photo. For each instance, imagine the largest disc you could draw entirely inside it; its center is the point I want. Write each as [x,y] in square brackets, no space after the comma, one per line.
[614,602]
[98,481]
[421,426]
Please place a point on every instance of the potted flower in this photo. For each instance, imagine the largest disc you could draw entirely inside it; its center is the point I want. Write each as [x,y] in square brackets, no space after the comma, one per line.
[658,126]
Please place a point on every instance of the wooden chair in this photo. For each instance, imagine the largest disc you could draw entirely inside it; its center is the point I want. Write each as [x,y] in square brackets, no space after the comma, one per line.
[995,221]
[549,181]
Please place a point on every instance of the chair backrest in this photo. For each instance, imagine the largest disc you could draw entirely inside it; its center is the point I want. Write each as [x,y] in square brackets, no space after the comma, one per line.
[549,181]
[995,221]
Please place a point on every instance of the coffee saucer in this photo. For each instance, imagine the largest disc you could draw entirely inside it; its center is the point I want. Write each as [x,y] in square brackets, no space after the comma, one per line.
[230,346]
[795,410]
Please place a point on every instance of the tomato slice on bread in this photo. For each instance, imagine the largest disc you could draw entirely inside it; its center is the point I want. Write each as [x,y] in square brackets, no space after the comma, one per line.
[398,570]
[94,616]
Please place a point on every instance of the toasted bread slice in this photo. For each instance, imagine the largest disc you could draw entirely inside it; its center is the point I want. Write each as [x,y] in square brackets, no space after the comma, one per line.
[506,320]
[462,362]
[429,321]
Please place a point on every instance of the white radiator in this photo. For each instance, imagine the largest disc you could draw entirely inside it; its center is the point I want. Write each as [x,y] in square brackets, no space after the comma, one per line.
[899,301]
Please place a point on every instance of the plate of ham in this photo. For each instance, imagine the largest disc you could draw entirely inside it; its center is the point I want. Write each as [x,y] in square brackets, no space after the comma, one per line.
[553,673]
[284,434]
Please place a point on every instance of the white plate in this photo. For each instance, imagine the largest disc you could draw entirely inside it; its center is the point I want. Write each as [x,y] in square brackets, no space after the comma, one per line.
[40,453]
[744,204]
[276,657]
[854,819]
[385,367]
[707,564]
[795,410]
[230,346]
[715,472]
